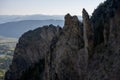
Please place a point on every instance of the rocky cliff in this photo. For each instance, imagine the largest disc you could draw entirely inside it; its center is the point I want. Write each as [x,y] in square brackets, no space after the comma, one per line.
[30,51]
[67,57]
[87,50]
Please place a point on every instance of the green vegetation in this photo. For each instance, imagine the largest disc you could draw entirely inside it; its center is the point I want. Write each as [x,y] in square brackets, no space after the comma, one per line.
[6,55]
[2,72]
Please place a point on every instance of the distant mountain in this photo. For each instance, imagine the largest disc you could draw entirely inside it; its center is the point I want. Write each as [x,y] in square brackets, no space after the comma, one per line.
[16,29]
[11,18]
[16,25]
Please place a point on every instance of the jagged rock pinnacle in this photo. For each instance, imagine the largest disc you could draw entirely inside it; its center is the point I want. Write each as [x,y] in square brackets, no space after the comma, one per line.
[88,33]
[67,19]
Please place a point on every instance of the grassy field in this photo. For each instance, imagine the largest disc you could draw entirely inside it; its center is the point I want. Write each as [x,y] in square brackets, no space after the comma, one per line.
[7,46]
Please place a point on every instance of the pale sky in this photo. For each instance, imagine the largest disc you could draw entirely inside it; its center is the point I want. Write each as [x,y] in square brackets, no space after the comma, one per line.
[47,7]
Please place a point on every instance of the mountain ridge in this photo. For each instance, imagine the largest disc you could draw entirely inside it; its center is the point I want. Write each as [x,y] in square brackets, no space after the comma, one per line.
[12,18]
[17,28]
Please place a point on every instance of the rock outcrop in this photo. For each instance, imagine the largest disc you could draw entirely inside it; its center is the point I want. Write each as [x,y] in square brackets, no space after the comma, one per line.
[78,51]
[30,51]
[67,61]
[104,65]
[88,33]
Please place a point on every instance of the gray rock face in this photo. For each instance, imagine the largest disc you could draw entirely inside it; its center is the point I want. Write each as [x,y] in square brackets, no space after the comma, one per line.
[105,63]
[67,61]
[30,50]
[88,33]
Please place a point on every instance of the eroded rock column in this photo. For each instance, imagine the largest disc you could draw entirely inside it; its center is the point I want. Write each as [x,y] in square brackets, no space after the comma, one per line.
[88,33]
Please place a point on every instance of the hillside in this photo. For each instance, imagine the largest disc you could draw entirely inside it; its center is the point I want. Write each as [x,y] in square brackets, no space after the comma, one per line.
[16,29]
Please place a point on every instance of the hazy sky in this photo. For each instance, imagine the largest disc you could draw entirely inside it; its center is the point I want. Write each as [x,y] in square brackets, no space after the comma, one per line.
[50,7]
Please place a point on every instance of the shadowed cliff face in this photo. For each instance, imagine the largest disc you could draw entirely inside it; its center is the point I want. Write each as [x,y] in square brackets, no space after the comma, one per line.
[30,51]
[88,50]
[67,57]
[105,63]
